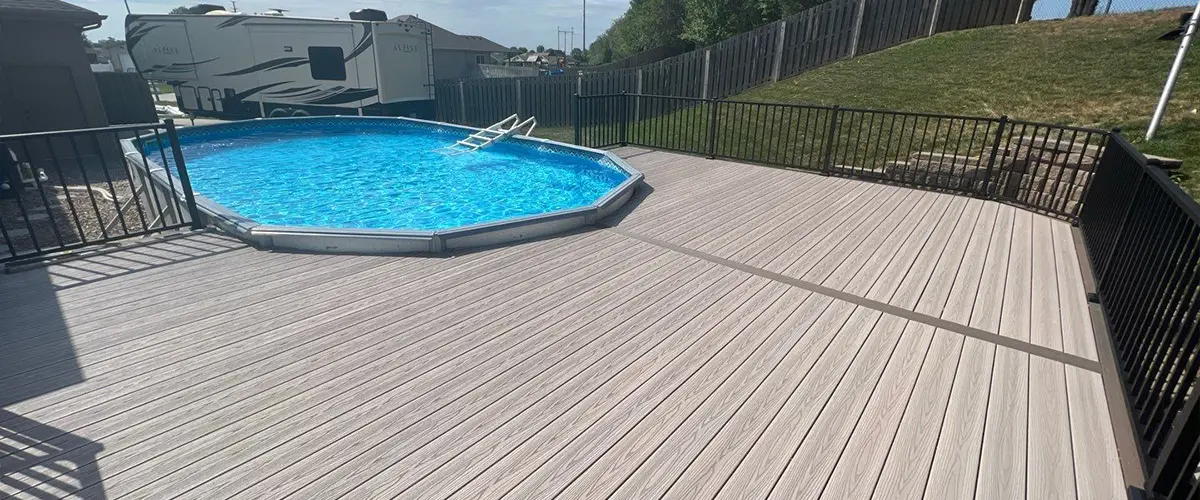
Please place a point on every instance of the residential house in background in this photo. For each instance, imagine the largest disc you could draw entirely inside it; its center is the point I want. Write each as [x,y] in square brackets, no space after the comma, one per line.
[459,56]
[547,60]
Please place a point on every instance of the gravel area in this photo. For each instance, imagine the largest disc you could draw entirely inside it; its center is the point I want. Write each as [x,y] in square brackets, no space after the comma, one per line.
[59,217]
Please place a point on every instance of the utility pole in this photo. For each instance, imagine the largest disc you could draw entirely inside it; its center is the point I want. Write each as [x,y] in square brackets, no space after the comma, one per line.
[1188,31]
[585,45]
[563,45]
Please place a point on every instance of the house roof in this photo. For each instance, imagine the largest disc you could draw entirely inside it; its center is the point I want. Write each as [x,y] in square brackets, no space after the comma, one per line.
[444,39]
[53,10]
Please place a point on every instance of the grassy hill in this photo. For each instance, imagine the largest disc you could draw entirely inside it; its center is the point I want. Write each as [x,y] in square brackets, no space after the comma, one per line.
[1104,71]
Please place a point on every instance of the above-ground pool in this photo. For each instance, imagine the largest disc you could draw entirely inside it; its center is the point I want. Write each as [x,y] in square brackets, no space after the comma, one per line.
[388,185]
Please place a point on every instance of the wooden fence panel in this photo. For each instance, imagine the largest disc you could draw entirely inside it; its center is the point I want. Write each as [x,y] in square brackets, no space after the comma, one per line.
[126,98]
[813,38]
[966,14]
[887,23]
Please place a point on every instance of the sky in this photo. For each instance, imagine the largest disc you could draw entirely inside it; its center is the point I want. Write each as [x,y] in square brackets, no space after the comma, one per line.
[525,23]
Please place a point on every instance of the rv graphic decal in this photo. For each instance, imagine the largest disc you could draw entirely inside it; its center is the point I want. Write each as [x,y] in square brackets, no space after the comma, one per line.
[234,21]
[363,45]
[282,62]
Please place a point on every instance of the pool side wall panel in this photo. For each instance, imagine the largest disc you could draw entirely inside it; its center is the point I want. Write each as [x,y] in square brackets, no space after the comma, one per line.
[389,242]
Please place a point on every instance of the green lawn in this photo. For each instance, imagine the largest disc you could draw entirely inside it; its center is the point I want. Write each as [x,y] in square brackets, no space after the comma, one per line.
[1104,72]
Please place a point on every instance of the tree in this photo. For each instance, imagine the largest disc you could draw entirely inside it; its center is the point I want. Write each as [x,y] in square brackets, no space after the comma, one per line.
[203,8]
[108,43]
[710,21]
[541,48]
[578,55]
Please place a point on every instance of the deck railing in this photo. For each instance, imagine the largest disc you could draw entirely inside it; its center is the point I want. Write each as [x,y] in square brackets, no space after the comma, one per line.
[1142,233]
[70,189]
[1143,237]
[1043,167]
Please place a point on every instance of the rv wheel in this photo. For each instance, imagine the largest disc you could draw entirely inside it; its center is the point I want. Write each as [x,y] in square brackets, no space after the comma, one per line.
[279,112]
[300,112]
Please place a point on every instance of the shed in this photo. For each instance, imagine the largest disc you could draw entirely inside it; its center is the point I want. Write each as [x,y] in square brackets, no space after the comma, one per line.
[46,82]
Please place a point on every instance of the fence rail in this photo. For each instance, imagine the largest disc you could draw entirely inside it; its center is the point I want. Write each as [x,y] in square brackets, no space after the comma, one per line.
[1143,236]
[70,189]
[1039,166]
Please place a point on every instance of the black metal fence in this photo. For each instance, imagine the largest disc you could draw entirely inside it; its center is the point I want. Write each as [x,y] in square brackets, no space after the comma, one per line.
[1039,166]
[1143,236]
[64,190]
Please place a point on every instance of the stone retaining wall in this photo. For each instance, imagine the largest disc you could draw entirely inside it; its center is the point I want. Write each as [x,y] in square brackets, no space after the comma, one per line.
[1045,173]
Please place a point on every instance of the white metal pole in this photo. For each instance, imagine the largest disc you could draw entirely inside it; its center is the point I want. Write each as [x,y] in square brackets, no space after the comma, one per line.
[1174,74]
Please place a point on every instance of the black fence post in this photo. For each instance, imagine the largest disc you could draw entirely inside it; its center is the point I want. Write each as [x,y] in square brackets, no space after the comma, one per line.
[987,177]
[1120,233]
[578,130]
[624,117]
[712,128]
[827,166]
[185,184]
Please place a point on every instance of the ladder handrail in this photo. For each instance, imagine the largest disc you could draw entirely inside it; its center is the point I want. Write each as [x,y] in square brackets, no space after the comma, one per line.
[499,130]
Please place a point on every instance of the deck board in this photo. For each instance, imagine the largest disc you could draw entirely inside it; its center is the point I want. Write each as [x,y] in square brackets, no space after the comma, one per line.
[635,362]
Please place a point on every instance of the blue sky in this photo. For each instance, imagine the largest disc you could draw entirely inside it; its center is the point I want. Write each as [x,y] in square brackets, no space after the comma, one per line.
[524,23]
[1053,9]
[508,22]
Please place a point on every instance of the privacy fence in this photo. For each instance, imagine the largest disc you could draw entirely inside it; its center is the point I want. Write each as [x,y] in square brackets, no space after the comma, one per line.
[71,189]
[832,31]
[126,98]
[635,60]
[1142,232]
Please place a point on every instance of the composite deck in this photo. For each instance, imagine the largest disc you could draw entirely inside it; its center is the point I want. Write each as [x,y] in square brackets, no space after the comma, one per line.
[739,332]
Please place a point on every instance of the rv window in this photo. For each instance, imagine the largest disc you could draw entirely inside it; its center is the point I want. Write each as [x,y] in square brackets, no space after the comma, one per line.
[327,63]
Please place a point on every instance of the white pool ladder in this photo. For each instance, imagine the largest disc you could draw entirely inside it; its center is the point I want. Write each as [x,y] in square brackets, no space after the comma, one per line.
[488,136]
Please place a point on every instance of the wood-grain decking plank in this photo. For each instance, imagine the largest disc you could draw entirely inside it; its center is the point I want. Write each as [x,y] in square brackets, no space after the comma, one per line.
[123,459]
[692,377]
[92,389]
[411,409]
[680,429]
[813,461]
[572,400]
[708,332]
[1097,466]
[759,469]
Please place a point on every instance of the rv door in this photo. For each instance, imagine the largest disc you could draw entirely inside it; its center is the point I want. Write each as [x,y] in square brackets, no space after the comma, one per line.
[404,62]
[160,48]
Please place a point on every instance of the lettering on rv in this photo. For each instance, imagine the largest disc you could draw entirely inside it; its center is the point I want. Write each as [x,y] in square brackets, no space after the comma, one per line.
[404,47]
[165,50]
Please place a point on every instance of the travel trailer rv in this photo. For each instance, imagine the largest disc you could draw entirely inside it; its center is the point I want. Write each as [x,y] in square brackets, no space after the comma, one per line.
[228,65]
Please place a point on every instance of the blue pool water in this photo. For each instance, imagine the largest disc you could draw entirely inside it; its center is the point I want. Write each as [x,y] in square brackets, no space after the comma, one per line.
[363,176]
